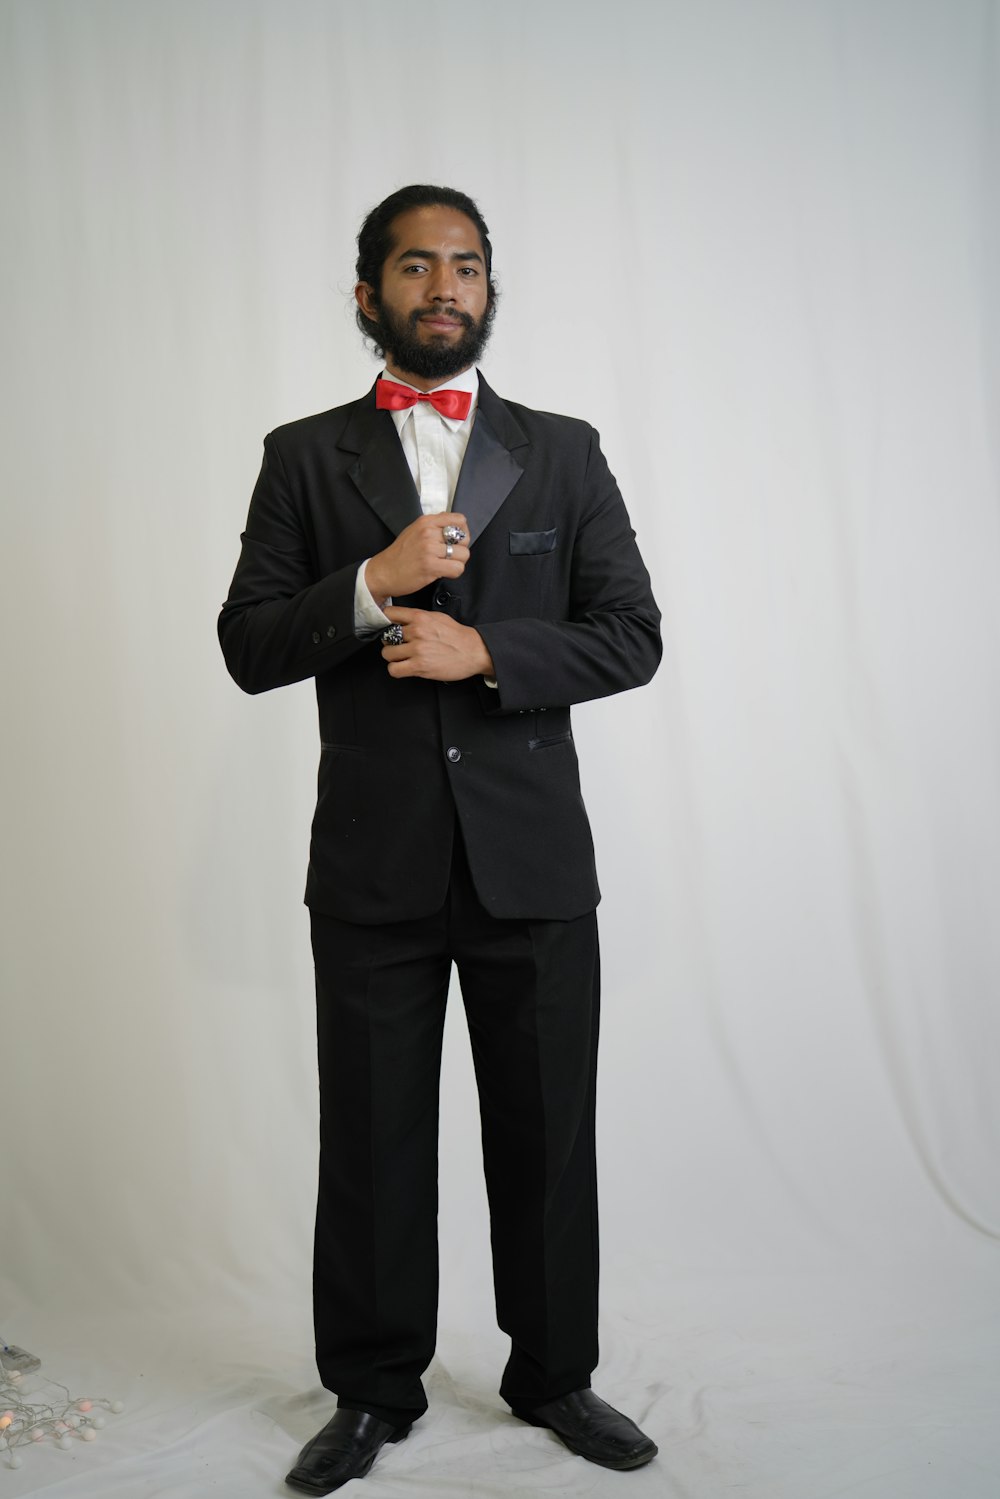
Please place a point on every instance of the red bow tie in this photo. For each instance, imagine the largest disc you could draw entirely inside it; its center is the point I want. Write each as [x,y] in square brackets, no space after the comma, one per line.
[389,396]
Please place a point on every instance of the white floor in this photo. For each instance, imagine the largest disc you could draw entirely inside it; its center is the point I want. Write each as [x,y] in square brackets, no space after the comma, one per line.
[875,1386]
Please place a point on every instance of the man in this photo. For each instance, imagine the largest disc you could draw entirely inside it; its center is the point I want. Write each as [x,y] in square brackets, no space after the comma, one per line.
[455,572]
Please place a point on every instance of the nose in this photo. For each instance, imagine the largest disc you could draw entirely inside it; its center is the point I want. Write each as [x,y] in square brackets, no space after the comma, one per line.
[441,284]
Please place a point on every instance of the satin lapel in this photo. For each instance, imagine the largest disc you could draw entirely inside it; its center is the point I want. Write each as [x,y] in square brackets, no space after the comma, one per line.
[381,472]
[489,469]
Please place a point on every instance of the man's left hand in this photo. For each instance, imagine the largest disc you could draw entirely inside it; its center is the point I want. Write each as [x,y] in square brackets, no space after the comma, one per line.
[436,646]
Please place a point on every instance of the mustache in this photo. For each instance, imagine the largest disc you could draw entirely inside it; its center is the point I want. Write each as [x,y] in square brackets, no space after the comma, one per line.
[453,317]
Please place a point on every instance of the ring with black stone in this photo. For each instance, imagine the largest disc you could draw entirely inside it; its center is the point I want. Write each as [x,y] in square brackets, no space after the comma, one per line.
[392,635]
[453,535]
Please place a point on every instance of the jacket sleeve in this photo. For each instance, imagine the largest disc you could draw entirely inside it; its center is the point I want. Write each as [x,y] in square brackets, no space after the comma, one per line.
[610,639]
[281,622]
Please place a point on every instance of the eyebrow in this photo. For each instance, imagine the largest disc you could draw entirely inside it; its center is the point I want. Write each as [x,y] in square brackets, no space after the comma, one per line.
[433,255]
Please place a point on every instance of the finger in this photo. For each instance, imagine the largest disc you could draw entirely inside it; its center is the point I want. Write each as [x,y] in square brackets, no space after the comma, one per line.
[401,652]
[400,614]
[403,668]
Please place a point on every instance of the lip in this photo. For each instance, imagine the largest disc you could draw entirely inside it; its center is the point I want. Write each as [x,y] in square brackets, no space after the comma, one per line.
[441,322]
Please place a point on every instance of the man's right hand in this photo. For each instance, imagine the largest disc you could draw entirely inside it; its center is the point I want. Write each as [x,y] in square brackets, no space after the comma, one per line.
[417,557]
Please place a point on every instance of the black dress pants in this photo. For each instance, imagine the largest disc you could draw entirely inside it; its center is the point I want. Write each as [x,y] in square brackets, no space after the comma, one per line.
[530,991]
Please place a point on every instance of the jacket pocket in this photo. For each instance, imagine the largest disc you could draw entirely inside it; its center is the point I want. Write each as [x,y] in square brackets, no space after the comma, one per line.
[548,740]
[531,543]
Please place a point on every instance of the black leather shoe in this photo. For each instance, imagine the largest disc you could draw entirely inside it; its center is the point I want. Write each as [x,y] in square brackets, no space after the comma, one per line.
[346,1448]
[593,1429]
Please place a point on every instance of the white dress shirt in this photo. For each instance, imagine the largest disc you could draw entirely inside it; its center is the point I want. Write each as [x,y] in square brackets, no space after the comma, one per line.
[434,446]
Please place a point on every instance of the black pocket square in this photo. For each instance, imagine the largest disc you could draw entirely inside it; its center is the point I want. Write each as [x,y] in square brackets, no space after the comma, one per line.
[528,543]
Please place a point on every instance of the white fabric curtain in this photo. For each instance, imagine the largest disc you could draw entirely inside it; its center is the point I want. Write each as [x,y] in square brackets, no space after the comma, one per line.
[755,242]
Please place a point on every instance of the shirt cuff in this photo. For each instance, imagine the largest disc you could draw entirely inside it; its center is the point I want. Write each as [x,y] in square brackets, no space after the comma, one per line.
[368,617]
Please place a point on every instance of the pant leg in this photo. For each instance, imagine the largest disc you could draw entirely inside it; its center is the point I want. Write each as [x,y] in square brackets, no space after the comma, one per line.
[531,992]
[381,994]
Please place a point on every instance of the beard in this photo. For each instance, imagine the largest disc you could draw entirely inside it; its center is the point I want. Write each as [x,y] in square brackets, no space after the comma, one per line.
[440,357]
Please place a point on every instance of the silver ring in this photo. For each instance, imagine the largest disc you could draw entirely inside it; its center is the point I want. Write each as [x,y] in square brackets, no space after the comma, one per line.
[453,534]
[448,549]
[392,635]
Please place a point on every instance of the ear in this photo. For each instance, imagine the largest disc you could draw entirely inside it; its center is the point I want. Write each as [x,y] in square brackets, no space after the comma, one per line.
[367,300]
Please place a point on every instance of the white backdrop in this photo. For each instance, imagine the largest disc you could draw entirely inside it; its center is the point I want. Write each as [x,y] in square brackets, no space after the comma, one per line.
[756,244]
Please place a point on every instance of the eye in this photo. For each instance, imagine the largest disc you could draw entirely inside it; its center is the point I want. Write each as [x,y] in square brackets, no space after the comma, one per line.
[468,270]
[413,266]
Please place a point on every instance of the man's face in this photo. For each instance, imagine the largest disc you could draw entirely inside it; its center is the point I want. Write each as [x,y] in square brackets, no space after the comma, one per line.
[433,311]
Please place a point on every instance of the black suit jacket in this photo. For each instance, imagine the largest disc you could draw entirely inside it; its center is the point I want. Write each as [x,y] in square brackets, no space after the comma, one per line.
[558,591]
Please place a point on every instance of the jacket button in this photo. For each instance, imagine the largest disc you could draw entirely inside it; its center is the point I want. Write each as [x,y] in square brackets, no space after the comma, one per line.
[454,754]
[441,597]
[331,631]
[317,637]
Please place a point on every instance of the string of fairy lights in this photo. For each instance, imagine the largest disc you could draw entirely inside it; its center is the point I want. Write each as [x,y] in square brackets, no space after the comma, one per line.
[28,1422]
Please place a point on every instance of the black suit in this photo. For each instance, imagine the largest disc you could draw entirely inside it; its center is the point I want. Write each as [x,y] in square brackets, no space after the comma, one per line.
[449,825]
